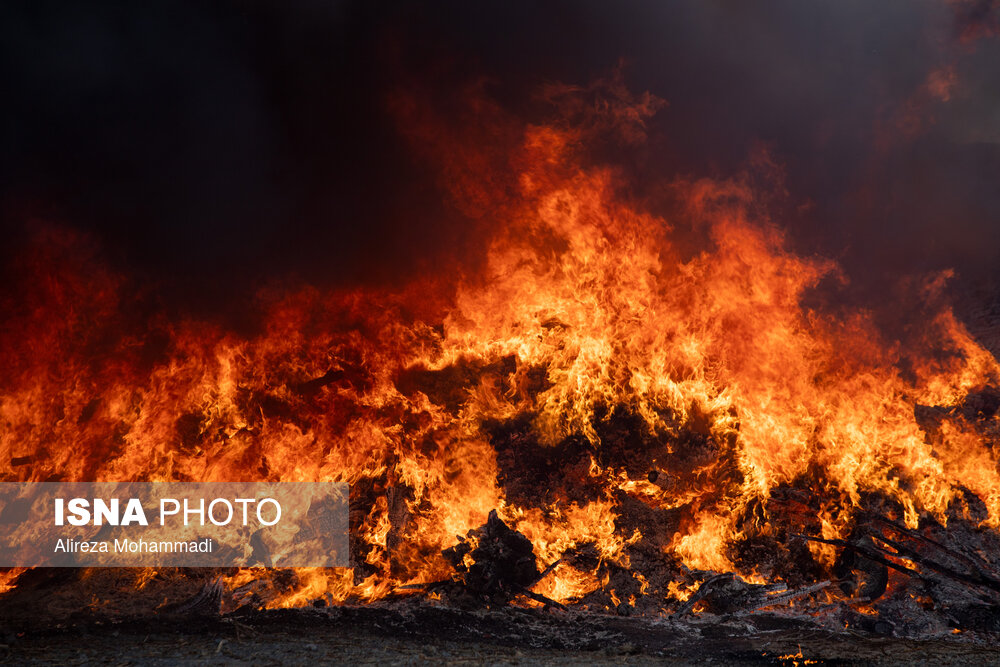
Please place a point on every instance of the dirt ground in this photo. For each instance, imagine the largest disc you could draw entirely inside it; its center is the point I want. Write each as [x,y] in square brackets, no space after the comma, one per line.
[419,634]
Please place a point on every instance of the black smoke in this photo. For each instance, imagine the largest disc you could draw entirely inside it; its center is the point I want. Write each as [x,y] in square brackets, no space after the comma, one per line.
[217,146]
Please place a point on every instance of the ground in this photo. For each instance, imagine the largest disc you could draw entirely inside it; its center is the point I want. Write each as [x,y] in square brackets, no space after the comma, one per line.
[417,632]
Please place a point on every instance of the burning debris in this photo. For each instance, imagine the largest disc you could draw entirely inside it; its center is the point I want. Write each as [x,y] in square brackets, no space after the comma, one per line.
[494,560]
[615,424]
[494,564]
[859,575]
[728,594]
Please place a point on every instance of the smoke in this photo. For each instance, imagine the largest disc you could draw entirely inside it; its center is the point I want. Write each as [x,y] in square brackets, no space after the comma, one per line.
[216,147]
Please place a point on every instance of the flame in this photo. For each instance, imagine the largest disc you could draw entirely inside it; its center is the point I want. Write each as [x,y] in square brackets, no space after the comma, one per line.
[705,546]
[587,307]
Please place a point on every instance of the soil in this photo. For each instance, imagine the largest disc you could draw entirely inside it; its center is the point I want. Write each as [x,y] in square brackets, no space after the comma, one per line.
[417,632]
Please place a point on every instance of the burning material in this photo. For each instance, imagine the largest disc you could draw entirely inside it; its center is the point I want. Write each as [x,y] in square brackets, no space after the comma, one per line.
[668,430]
[495,563]
[494,560]
[727,593]
[860,576]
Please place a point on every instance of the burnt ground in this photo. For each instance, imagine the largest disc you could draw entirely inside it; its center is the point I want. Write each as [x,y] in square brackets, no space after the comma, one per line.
[415,632]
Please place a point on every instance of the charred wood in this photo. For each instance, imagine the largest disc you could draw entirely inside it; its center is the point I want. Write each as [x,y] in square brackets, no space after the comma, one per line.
[728,594]
[206,602]
[859,575]
[494,562]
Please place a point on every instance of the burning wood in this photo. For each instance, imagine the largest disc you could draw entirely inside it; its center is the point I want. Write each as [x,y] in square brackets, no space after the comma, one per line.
[499,559]
[860,576]
[659,427]
[494,564]
[727,594]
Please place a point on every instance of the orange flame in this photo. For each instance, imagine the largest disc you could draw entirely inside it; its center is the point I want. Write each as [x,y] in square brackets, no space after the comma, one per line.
[587,304]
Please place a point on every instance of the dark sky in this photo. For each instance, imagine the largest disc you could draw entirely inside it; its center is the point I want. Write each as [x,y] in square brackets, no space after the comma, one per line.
[217,145]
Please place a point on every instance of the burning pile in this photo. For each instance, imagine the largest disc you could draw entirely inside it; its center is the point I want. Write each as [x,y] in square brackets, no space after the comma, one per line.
[643,416]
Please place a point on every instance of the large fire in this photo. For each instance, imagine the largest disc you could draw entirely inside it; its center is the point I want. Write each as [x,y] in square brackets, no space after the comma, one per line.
[626,404]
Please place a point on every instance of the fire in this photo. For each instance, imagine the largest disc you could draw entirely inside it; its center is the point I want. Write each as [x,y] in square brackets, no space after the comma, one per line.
[588,315]
[704,548]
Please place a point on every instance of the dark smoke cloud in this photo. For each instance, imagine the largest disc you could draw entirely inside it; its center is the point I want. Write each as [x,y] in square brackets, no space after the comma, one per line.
[219,145]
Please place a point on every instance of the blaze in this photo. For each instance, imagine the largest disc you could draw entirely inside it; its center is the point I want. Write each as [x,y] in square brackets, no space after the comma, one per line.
[588,314]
